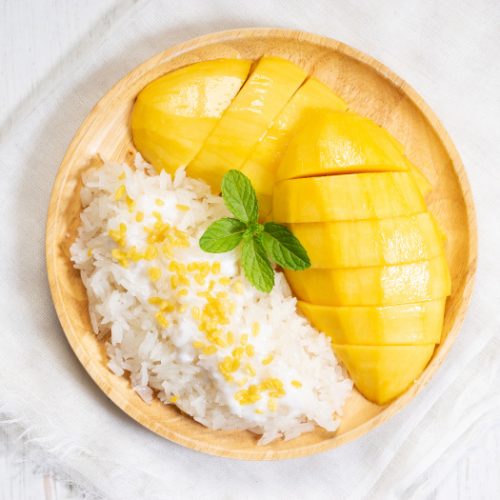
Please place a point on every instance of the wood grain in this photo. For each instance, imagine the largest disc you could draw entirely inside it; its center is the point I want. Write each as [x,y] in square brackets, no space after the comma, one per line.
[370,89]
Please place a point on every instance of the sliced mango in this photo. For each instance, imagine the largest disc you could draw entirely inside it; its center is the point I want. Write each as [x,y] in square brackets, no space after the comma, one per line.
[173,115]
[332,143]
[416,323]
[246,120]
[373,286]
[264,159]
[346,197]
[382,373]
[395,240]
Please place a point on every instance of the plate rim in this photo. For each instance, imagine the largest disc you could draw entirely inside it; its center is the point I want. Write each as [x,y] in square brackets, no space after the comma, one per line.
[261,453]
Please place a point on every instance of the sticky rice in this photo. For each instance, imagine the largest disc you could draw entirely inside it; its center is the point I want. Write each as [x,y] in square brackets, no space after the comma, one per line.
[184,325]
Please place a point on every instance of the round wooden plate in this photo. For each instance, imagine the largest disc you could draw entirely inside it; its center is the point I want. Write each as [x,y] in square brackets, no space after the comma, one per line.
[371,90]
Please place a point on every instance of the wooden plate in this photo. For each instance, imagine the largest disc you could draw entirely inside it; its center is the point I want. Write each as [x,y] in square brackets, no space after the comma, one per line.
[371,90]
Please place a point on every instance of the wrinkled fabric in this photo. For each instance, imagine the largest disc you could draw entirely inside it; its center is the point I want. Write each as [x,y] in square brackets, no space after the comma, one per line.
[448,51]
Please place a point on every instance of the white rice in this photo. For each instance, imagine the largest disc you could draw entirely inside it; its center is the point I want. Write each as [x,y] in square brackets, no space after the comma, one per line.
[287,381]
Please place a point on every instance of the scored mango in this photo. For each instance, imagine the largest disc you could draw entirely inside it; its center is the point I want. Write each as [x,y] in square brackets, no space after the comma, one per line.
[246,120]
[373,286]
[173,115]
[381,373]
[415,323]
[346,197]
[363,243]
[261,165]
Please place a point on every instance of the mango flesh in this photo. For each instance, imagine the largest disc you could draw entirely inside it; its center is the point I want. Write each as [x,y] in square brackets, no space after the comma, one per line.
[264,159]
[373,286]
[346,197]
[378,280]
[381,373]
[363,243]
[246,120]
[415,323]
[335,143]
[173,115]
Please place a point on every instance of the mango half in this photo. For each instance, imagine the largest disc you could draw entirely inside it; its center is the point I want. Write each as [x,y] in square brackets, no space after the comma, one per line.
[379,278]
[173,115]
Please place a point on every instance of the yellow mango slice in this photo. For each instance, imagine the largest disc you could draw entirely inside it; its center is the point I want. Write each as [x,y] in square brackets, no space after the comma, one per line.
[264,159]
[173,115]
[364,243]
[382,373]
[246,120]
[332,143]
[416,323]
[346,197]
[373,286]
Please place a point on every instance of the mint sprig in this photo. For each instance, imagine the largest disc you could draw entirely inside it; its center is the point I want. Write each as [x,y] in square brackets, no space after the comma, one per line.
[261,243]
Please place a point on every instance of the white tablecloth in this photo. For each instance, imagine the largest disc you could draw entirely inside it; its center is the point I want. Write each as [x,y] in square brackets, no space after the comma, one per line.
[448,51]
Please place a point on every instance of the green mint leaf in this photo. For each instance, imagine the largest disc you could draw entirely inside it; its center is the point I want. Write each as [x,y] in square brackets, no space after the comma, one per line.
[239,196]
[256,265]
[222,235]
[284,248]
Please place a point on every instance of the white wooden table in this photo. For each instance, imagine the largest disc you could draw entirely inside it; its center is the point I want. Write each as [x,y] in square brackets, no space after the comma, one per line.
[35,35]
